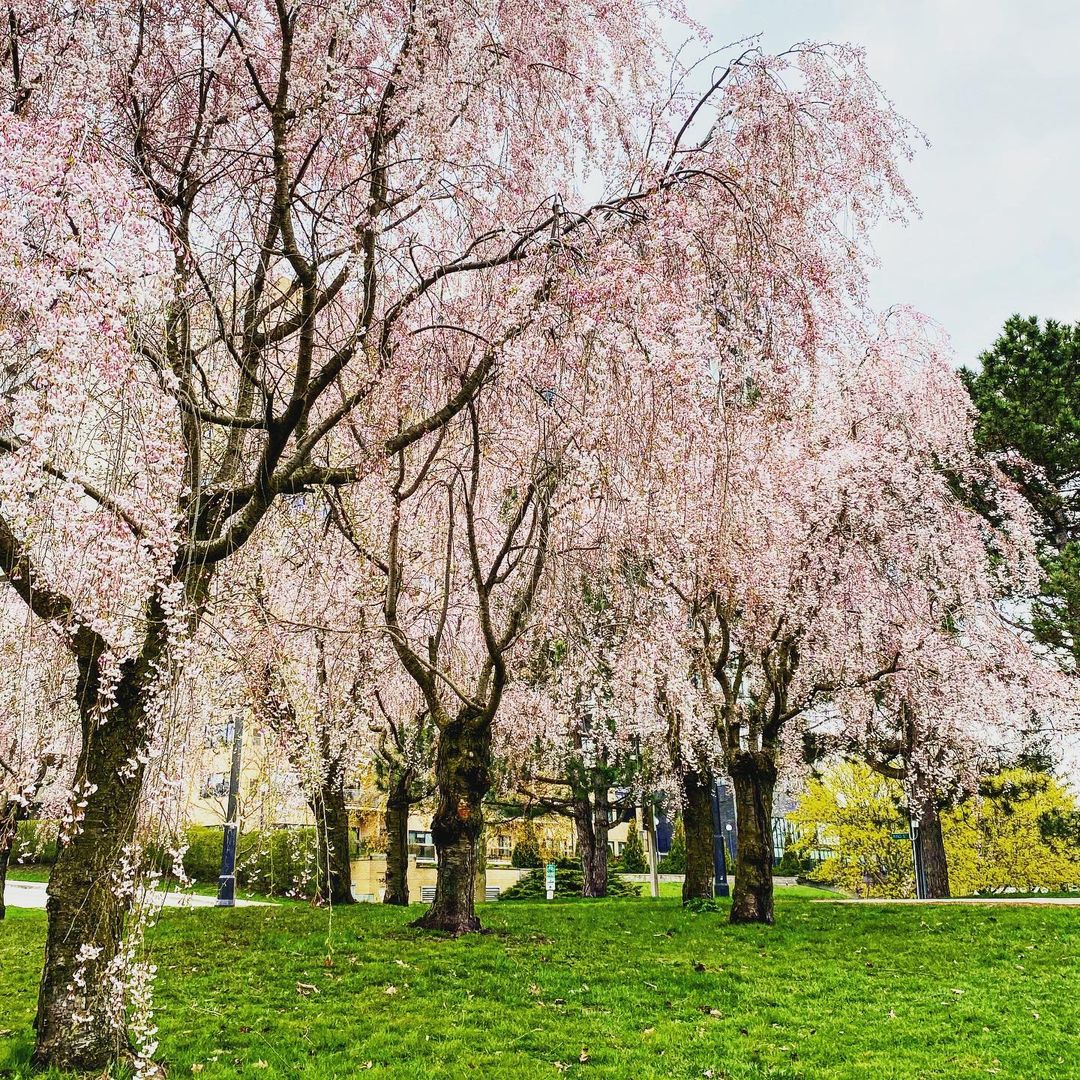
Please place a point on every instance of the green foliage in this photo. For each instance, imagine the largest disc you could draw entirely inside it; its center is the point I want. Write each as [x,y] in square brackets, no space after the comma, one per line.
[674,862]
[1013,835]
[276,862]
[1020,832]
[853,811]
[36,843]
[568,884]
[632,859]
[1028,397]
[792,864]
[526,853]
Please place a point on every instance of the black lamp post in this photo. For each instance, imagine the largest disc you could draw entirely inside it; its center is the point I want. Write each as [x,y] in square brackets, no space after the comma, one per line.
[227,879]
[720,881]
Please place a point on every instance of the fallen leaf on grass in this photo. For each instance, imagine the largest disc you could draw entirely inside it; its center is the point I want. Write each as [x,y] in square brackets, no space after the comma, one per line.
[584,1055]
[306,989]
[260,1064]
[391,990]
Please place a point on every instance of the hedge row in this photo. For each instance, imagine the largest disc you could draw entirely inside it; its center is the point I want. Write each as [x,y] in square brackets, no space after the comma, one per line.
[277,862]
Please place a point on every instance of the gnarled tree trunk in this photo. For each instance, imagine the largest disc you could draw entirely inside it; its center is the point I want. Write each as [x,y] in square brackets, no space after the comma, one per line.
[397,840]
[592,818]
[931,845]
[753,776]
[463,777]
[698,826]
[334,873]
[81,1023]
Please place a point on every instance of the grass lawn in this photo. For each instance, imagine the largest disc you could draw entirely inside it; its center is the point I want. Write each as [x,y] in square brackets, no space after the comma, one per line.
[621,988]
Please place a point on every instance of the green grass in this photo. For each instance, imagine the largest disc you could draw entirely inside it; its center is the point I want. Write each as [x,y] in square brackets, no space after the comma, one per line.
[29,873]
[636,988]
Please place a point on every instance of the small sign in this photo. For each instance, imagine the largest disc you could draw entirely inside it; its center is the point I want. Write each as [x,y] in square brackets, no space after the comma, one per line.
[549,881]
[900,836]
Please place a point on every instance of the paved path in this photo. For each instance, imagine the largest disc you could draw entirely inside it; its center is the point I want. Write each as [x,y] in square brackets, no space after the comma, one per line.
[1050,901]
[31,894]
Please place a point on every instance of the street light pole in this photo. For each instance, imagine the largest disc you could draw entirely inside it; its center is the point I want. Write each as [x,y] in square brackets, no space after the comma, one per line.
[720,881]
[227,879]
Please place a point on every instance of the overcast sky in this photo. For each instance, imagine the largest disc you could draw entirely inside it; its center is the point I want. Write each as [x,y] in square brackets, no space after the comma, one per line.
[995,86]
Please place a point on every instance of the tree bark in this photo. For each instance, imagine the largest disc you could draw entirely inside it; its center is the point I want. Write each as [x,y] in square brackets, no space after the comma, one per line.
[463,777]
[334,872]
[753,775]
[8,831]
[932,852]
[397,840]
[698,826]
[592,818]
[81,1023]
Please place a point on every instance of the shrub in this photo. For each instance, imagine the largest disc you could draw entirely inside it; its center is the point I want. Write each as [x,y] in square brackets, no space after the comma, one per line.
[632,860]
[791,865]
[526,853]
[568,883]
[276,862]
[674,862]
[36,842]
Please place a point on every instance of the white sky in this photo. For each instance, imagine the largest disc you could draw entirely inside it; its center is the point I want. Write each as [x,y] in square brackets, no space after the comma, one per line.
[995,86]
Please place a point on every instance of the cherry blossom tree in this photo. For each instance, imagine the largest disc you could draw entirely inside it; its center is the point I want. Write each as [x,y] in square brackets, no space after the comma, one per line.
[229,232]
[819,552]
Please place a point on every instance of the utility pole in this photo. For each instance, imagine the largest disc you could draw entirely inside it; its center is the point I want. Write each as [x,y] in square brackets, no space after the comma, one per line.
[720,881]
[227,879]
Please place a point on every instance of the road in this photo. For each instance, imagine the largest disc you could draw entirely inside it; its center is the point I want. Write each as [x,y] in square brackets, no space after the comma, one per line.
[31,894]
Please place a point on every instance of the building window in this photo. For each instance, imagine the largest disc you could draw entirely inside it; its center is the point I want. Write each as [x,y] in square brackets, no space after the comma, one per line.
[216,786]
[421,845]
[501,847]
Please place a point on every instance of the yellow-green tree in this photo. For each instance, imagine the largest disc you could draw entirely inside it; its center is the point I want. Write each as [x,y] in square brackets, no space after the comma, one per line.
[853,812]
[998,839]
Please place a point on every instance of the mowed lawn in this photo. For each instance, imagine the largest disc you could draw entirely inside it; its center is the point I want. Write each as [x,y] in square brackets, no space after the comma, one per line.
[628,988]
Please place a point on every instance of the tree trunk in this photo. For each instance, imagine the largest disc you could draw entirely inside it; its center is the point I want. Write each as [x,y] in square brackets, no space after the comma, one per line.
[81,1023]
[753,775]
[8,832]
[698,826]
[932,852]
[334,872]
[592,819]
[397,840]
[463,776]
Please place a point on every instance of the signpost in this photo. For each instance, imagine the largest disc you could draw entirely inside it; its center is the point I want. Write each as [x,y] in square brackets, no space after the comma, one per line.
[549,879]
[916,856]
